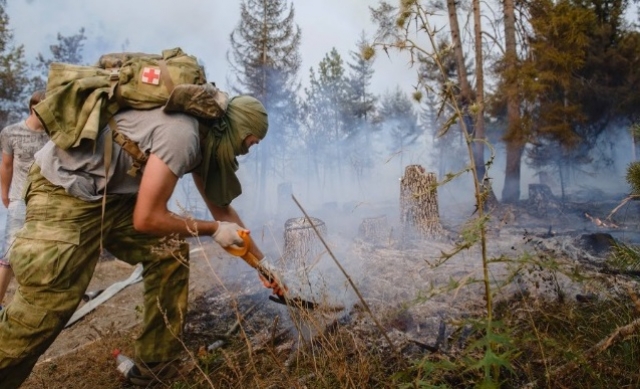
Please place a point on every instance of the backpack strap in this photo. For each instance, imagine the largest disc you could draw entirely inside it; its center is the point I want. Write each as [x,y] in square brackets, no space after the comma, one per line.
[108,152]
[131,147]
[166,77]
[139,157]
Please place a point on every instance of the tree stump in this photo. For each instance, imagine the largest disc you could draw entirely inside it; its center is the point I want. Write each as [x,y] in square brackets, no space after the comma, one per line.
[490,200]
[375,230]
[301,243]
[542,202]
[419,202]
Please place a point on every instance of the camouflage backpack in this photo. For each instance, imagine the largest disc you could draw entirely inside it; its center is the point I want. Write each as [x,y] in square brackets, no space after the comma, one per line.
[81,100]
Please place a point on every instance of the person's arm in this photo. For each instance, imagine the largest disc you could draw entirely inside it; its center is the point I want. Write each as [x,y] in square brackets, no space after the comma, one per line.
[6,175]
[151,215]
[227,213]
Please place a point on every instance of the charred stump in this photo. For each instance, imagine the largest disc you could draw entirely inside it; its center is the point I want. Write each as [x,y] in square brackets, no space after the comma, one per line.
[419,202]
[374,230]
[301,243]
[490,202]
[542,202]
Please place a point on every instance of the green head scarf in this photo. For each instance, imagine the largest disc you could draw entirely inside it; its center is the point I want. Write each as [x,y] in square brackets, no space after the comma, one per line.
[245,116]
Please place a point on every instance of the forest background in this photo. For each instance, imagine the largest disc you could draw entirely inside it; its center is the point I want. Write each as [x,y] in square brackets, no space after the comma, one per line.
[551,86]
[507,93]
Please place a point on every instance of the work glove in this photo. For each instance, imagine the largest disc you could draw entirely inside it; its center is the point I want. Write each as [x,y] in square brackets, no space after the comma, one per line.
[227,234]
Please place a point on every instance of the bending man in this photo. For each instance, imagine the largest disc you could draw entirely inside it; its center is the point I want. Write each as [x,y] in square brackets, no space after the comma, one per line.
[55,254]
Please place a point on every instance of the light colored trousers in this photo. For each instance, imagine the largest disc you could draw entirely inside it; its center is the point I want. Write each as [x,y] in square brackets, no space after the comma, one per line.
[15,220]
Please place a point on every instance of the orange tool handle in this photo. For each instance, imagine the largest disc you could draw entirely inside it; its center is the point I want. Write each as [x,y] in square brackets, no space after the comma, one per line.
[240,251]
[244,253]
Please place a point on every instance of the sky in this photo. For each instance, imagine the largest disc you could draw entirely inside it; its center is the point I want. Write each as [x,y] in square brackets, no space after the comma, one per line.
[200,28]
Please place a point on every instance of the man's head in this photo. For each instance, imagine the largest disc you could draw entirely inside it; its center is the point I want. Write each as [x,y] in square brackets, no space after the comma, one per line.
[36,97]
[244,124]
[33,121]
[249,120]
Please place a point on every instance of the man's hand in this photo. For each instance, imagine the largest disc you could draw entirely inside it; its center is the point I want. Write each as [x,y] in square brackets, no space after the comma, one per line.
[227,234]
[5,201]
[279,289]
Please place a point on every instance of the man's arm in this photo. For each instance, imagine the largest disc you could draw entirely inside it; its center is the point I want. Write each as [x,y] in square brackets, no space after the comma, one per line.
[151,214]
[227,213]
[6,175]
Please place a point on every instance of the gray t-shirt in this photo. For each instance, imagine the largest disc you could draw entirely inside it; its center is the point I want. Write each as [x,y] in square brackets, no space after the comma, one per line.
[21,142]
[80,170]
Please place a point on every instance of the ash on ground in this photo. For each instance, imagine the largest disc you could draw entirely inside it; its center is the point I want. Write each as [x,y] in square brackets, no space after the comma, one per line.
[414,291]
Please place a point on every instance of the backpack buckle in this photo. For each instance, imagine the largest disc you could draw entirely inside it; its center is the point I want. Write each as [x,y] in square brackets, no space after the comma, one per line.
[114,75]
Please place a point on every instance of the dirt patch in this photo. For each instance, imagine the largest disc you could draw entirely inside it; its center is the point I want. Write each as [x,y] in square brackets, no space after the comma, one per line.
[81,355]
[406,284]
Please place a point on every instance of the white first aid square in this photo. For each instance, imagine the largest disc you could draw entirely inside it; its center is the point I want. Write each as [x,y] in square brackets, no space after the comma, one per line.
[150,76]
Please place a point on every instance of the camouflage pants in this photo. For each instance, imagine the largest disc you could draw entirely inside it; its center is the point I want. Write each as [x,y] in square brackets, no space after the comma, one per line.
[54,256]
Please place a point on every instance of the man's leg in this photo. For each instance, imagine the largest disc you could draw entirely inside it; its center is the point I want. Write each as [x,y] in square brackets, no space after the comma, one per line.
[166,286]
[52,269]
[15,221]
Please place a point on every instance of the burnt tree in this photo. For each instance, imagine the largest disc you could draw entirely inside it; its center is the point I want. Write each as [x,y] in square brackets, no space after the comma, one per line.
[542,202]
[419,202]
[301,243]
[375,230]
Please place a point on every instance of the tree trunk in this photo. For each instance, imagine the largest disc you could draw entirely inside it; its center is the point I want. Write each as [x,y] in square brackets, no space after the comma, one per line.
[514,138]
[419,203]
[466,94]
[301,243]
[511,189]
[465,88]
[375,230]
[478,145]
[542,202]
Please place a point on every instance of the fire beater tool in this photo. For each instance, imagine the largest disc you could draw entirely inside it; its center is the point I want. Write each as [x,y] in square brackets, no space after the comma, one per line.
[268,274]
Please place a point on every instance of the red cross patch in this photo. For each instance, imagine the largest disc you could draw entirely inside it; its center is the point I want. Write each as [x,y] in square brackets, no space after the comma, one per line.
[150,76]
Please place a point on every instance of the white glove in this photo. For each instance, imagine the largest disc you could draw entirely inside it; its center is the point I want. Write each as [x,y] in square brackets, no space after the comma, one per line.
[227,234]
[264,263]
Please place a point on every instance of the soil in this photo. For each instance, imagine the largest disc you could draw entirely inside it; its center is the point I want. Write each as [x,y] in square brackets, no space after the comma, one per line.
[387,274]
[81,356]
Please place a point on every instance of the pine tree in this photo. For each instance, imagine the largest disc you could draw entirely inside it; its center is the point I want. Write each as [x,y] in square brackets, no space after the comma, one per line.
[68,50]
[583,82]
[628,97]
[361,108]
[559,50]
[515,137]
[361,100]
[400,118]
[610,68]
[448,142]
[265,57]
[14,87]
[325,111]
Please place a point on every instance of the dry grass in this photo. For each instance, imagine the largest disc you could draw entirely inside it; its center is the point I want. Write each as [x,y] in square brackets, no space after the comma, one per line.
[544,342]
[558,343]
[350,353]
